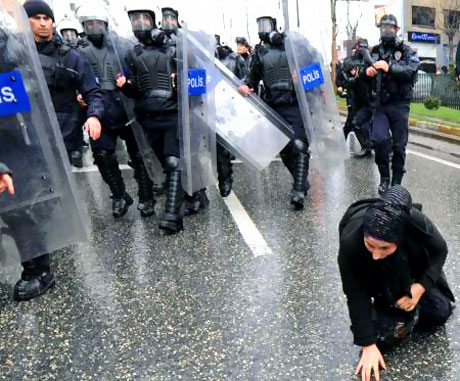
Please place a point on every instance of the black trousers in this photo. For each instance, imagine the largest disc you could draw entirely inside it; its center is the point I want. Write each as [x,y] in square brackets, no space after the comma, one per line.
[108,140]
[162,133]
[292,115]
[394,325]
[362,126]
[391,123]
[72,130]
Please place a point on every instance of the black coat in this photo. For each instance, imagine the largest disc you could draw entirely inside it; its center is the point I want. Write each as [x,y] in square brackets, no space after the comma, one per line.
[418,259]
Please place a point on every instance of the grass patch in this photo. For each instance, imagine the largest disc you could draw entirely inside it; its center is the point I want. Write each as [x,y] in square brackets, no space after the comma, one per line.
[420,112]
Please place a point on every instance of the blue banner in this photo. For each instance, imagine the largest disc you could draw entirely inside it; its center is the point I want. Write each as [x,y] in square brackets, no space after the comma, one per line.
[196,82]
[311,76]
[13,95]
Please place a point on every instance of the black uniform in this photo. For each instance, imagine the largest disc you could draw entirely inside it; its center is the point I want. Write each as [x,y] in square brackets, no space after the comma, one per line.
[66,73]
[152,69]
[393,105]
[270,64]
[419,258]
[105,67]
[358,100]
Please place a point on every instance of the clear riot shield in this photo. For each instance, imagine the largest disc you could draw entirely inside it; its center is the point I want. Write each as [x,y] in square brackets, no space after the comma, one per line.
[196,109]
[45,214]
[246,126]
[315,94]
[121,47]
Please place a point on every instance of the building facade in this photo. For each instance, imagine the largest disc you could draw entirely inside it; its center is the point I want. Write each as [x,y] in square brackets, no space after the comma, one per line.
[426,27]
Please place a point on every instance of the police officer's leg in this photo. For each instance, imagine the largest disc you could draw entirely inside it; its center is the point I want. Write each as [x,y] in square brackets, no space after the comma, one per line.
[37,276]
[399,124]
[107,163]
[362,128]
[224,170]
[72,134]
[381,140]
[172,218]
[145,185]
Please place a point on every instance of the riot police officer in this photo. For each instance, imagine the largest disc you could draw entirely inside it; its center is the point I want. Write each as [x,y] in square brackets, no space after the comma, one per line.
[270,64]
[69,31]
[66,73]
[152,73]
[43,215]
[99,50]
[394,73]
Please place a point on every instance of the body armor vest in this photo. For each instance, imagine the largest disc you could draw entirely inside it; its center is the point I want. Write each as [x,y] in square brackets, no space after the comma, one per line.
[104,65]
[276,74]
[60,79]
[153,73]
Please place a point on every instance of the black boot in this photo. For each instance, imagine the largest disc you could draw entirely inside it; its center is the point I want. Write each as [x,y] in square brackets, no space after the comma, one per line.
[172,219]
[76,159]
[145,188]
[224,171]
[384,185]
[397,177]
[36,279]
[301,184]
[107,163]
[197,202]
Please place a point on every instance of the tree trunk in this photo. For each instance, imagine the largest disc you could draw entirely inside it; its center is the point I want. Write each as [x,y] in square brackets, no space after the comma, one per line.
[451,50]
[334,43]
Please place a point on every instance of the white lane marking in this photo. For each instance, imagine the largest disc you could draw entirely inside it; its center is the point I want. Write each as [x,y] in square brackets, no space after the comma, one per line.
[432,158]
[93,168]
[248,229]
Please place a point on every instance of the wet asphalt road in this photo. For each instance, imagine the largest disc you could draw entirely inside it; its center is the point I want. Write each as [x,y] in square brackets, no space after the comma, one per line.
[134,304]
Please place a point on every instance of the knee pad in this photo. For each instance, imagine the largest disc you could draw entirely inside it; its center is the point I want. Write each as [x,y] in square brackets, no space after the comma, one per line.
[300,146]
[172,163]
[103,155]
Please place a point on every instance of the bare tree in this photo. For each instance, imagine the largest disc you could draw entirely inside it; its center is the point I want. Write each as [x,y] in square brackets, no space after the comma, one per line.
[448,22]
[334,41]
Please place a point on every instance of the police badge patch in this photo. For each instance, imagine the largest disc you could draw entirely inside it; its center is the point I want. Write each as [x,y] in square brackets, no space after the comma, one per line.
[398,55]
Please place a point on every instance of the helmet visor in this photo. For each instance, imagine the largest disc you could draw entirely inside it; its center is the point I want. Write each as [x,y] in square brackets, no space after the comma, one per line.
[141,21]
[69,34]
[265,25]
[169,21]
[93,27]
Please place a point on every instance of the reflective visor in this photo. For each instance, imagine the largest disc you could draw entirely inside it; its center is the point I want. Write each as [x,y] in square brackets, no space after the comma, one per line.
[141,21]
[94,26]
[69,34]
[169,21]
[265,25]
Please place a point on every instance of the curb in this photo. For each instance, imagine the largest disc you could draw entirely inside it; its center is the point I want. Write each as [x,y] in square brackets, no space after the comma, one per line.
[434,130]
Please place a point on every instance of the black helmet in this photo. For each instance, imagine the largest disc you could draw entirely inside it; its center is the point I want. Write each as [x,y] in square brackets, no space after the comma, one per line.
[265,24]
[170,20]
[389,20]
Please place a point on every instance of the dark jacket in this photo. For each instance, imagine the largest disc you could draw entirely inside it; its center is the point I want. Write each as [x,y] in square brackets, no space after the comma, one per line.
[457,60]
[72,74]
[418,259]
[398,83]
[4,169]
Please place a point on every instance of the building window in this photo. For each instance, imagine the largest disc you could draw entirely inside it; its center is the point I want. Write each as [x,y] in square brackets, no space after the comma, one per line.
[451,19]
[423,16]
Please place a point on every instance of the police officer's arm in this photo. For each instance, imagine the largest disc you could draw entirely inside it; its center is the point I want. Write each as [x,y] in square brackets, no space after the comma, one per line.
[406,68]
[89,89]
[437,250]
[125,82]
[6,181]
[358,298]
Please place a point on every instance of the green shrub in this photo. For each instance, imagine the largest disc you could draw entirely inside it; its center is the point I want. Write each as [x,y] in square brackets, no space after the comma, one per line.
[432,103]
